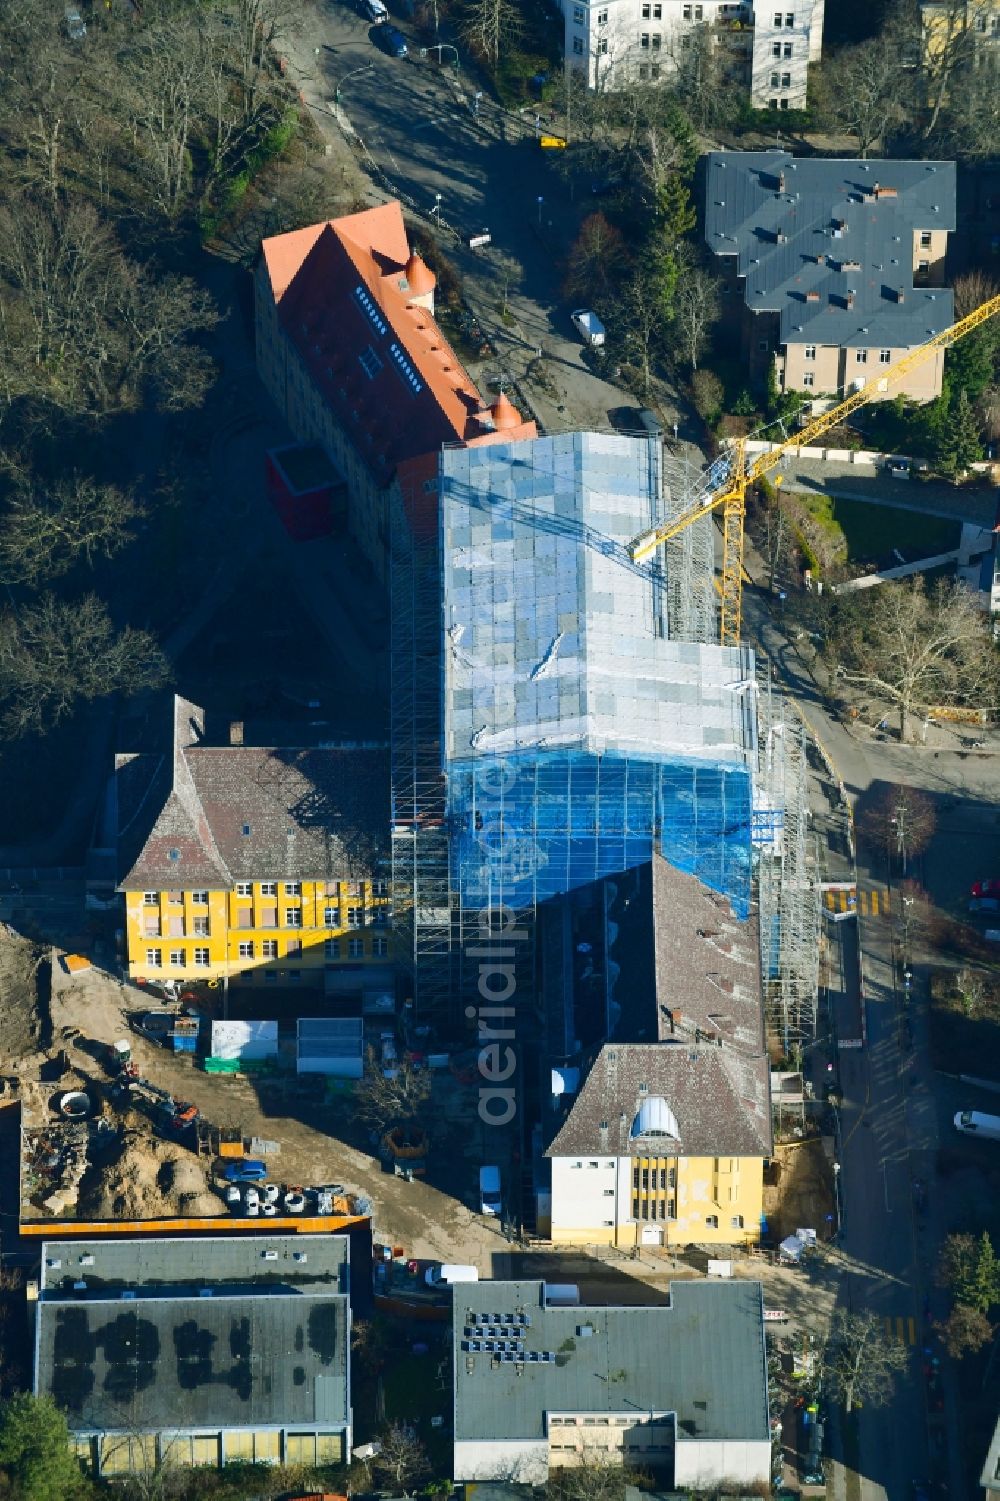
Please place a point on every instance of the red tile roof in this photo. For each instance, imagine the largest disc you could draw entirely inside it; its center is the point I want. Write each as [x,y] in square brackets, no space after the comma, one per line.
[380,361]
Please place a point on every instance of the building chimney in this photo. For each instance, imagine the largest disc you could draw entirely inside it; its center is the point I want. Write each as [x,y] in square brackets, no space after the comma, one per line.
[236,732]
[781,182]
[850,300]
[900,295]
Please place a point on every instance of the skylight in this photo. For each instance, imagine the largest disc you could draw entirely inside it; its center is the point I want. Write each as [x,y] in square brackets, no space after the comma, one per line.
[367,303]
[406,370]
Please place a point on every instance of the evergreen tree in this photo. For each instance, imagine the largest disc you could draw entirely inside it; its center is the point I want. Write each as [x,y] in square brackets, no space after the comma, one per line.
[959,446]
[35,1455]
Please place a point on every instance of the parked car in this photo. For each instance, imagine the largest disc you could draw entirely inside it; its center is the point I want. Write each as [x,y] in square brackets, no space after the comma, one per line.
[75,25]
[986,888]
[373,10]
[245,1170]
[898,468]
[589,327]
[448,1274]
[389,40]
[975,1123]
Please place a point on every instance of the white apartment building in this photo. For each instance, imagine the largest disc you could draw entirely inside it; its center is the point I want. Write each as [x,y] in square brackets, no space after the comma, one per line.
[617,42]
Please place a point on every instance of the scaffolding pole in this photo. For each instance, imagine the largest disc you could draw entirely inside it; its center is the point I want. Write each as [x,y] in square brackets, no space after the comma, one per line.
[689,559]
[421,877]
[787,874]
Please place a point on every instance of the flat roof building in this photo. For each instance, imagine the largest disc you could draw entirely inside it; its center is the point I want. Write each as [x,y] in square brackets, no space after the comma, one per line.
[198,1352]
[680,1388]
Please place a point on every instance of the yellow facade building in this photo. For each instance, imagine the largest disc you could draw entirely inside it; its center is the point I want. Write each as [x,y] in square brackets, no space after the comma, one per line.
[955,32]
[254,865]
[662,1141]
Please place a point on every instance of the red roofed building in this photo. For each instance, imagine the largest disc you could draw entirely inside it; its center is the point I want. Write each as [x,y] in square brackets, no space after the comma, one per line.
[348,347]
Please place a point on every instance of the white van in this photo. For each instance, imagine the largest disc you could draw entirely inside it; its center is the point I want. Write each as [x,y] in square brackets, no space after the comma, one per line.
[976,1124]
[489,1190]
[446,1275]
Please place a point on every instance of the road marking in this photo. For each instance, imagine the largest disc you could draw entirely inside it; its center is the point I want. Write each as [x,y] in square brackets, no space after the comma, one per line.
[900,1330]
[847,898]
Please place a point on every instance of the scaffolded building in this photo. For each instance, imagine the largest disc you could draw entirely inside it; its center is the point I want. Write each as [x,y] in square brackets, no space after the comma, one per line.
[549,730]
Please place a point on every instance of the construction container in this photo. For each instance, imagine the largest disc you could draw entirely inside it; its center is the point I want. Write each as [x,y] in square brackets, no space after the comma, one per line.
[185,1034]
[222,1065]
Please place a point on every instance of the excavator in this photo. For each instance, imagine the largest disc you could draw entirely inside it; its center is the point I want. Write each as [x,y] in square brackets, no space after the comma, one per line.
[725,483]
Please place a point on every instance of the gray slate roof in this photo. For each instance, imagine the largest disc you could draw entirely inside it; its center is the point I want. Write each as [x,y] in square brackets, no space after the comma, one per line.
[256,1352]
[688,978]
[745,212]
[719,1099]
[312,813]
[702,1357]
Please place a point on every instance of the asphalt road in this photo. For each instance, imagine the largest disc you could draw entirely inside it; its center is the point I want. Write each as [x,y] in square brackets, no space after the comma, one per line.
[414,123]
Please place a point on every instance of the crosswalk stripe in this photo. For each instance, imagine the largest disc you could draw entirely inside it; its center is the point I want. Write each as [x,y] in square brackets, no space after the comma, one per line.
[900,1330]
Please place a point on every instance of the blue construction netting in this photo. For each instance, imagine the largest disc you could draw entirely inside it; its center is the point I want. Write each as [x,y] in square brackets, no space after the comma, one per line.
[536,824]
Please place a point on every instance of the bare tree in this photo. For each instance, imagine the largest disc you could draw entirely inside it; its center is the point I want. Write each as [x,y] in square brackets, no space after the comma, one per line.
[86,330]
[58,653]
[971,289]
[948,51]
[489,27]
[964,1331]
[76,519]
[900,820]
[914,647]
[864,90]
[971,121]
[387,1095]
[402,1457]
[592,1477]
[597,259]
[860,1363]
[696,309]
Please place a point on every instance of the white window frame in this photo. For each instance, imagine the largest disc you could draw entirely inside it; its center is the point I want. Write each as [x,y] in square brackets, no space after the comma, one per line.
[293,917]
[809,352]
[199,898]
[202,958]
[269,948]
[809,379]
[178,959]
[269,888]
[885,356]
[244,888]
[154,958]
[293,888]
[355,948]
[246,949]
[150,898]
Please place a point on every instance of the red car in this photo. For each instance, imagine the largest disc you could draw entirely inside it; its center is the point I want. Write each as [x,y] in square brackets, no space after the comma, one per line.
[987,888]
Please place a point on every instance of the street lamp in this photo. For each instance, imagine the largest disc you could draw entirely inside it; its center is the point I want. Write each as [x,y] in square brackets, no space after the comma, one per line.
[541,200]
[436,210]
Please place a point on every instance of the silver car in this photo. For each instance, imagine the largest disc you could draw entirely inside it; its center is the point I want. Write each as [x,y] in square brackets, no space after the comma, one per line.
[75,25]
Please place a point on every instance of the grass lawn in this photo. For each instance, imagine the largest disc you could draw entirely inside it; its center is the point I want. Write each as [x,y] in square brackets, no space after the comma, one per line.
[872,532]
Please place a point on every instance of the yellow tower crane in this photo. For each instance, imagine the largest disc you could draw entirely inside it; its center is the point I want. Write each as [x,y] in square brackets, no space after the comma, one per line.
[731,493]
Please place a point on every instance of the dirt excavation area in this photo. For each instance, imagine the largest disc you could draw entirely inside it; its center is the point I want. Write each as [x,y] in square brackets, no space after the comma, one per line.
[138,1172]
[798,1193]
[24,983]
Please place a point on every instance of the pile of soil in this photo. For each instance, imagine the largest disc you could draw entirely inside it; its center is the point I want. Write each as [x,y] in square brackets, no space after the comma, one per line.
[147,1179]
[24,976]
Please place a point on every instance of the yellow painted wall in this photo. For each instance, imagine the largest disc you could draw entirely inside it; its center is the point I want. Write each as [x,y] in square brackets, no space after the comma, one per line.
[691,1190]
[256,928]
